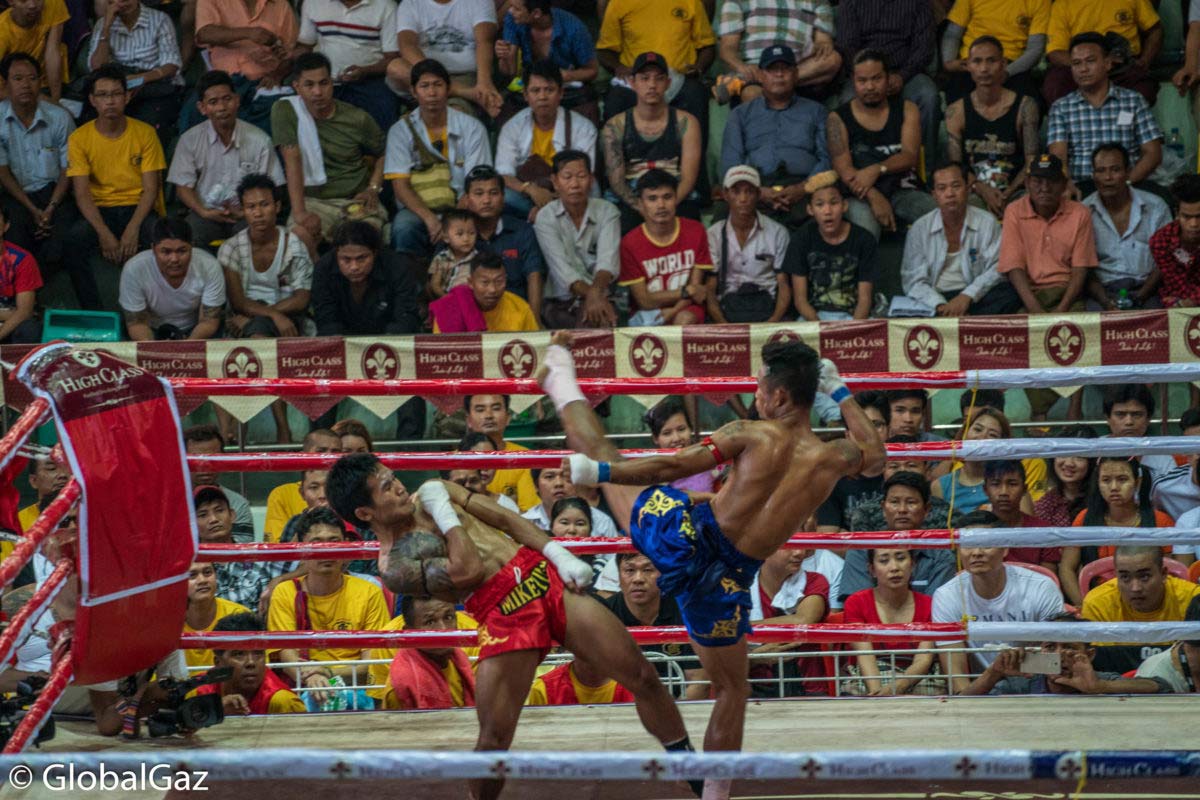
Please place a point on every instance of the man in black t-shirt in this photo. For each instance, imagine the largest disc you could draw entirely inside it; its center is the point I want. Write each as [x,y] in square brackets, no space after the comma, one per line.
[831,262]
[641,603]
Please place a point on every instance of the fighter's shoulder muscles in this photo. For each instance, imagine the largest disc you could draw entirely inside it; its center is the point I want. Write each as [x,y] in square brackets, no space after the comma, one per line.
[417,564]
[849,456]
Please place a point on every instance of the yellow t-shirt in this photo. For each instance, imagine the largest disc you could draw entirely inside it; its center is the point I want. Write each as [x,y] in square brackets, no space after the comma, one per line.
[587,695]
[357,606]
[675,29]
[25,517]
[283,503]
[454,684]
[286,702]
[380,674]
[1105,604]
[511,314]
[543,144]
[204,658]
[15,39]
[515,484]
[115,166]
[1126,17]
[1010,21]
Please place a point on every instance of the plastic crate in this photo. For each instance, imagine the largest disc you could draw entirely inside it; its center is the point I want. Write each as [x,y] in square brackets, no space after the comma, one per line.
[81,326]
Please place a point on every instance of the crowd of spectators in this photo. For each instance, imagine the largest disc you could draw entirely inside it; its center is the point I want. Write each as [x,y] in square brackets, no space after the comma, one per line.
[459,166]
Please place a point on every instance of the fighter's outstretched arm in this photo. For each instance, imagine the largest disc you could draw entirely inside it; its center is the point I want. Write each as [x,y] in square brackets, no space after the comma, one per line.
[724,445]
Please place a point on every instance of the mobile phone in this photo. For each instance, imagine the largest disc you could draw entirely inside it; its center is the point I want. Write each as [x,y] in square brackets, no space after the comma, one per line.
[1042,663]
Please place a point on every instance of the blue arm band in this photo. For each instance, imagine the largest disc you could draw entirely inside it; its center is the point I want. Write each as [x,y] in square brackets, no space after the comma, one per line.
[603,471]
[840,394]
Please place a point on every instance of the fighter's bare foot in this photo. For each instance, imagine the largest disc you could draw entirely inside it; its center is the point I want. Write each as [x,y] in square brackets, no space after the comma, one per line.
[562,339]
[556,375]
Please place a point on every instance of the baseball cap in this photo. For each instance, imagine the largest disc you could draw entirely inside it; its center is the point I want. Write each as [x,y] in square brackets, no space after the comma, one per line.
[735,175]
[208,493]
[1047,165]
[649,59]
[776,53]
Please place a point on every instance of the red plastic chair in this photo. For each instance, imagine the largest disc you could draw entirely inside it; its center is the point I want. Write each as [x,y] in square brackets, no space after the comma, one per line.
[1038,568]
[1103,569]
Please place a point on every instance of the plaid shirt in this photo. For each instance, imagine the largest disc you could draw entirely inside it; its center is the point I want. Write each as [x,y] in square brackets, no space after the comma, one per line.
[1179,265]
[244,581]
[1123,117]
[763,23]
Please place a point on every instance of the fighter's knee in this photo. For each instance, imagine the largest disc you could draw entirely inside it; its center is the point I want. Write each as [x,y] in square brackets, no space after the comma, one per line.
[644,680]
[493,739]
[732,688]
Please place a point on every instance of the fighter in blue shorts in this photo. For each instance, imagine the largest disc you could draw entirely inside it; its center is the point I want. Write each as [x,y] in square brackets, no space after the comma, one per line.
[708,549]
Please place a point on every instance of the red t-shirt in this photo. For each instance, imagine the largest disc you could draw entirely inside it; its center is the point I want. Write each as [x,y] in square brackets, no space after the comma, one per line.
[1034,555]
[860,607]
[664,266]
[18,272]
[815,584]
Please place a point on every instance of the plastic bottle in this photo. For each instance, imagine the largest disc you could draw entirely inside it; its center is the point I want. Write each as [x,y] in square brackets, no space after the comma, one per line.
[1124,301]
[1175,143]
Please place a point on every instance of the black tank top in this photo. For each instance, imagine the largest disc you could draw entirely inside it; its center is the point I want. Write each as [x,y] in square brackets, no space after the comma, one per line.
[992,148]
[641,156]
[869,147]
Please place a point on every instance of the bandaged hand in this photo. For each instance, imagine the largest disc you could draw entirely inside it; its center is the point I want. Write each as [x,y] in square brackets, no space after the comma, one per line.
[585,471]
[831,382]
[575,572]
[558,380]
[436,502]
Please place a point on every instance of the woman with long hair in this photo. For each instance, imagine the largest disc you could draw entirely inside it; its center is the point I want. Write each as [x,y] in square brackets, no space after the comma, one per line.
[1067,481]
[891,601]
[962,482]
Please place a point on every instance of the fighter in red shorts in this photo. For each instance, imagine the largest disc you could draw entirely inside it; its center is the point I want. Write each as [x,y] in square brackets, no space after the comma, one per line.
[526,592]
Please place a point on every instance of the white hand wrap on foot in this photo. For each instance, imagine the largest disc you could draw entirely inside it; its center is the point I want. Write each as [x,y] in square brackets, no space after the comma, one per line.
[585,471]
[574,572]
[436,502]
[559,382]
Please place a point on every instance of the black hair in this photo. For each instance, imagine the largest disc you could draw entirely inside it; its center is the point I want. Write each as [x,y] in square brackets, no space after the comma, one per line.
[306,62]
[482,172]
[978,519]
[871,54]
[257,180]
[623,557]
[794,366]
[987,39]
[877,400]
[12,58]
[657,417]
[460,215]
[472,438]
[1189,418]
[910,479]
[430,66]
[214,77]
[203,433]
[903,438]
[537,5]
[1186,189]
[564,157]
[655,179]
[1112,147]
[981,398]
[170,228]
[546,70]
[1128,393]
[346,487]
[242,622]
[357,232]
[947,164]
[1052,482]
[1090,37]
[107,72]
[896,395]
[1097,508]
[577,503]
[311,518]
[488,260]
[408,603]
[1002,466]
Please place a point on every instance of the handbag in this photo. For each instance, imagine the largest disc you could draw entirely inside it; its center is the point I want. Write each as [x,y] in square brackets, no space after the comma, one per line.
[431,181]
[535,170]
[749,303]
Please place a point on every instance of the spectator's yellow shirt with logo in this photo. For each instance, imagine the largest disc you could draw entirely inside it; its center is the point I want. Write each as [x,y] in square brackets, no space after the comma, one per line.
[1012,22]
[675,29]
[115,166]
[15,39]
[515,484]
[1130,18]
[1105,604]
[357,606]
[204,658]
[380,674]
[283,503]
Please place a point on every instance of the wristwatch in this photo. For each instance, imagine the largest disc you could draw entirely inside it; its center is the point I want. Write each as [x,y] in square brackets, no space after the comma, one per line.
[375,187]
[883,170]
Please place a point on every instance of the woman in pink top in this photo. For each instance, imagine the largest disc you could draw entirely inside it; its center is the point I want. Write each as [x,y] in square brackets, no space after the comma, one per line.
[891,601]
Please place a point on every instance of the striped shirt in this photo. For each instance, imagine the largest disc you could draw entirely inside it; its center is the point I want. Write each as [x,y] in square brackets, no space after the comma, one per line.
[150,44]
[348,37]
[762,23]
[1123,117]
[902,30]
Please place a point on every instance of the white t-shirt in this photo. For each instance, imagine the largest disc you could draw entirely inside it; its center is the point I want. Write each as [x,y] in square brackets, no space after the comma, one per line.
[830,565]
[1190,519]
[1175,492]
[143,288]
[1162,665]
[1027,597]
[446,31]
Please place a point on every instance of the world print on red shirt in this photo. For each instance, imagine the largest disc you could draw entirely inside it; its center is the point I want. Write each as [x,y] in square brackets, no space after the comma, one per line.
[664,266]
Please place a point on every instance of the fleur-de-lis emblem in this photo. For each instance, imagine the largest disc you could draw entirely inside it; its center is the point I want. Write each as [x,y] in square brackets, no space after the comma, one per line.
[86,358]
[241,363]
[380,364]
[1063,343]
[517,359]
[1193,336]
[924,346]
[647,354]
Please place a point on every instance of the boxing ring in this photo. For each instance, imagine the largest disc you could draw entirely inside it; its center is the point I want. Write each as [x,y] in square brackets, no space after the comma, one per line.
[1035,747]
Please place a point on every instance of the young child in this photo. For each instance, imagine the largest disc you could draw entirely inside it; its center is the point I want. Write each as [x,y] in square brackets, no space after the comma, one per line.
[451,264]
[831,261]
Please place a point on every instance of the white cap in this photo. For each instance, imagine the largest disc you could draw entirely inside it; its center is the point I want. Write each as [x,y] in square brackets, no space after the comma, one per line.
[736,175]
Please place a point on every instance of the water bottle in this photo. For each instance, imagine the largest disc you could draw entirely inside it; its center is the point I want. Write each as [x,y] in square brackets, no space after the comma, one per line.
[1175,143]
[1124,301]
